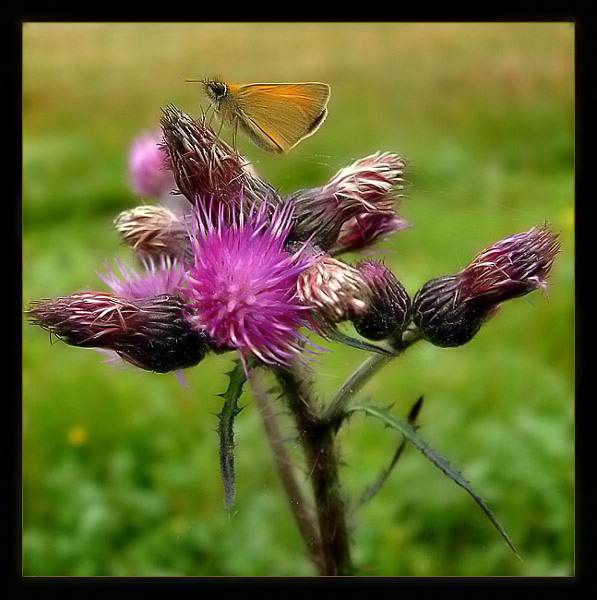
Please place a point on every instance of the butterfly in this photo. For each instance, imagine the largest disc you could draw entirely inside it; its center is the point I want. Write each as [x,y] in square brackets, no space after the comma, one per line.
[274,116]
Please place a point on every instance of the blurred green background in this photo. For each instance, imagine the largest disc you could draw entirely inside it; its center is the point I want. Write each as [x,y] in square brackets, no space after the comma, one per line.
[120,468]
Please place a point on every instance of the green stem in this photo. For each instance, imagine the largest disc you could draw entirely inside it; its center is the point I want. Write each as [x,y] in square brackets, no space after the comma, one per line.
[303,513]
[353,384]
[372,365]
[318,440]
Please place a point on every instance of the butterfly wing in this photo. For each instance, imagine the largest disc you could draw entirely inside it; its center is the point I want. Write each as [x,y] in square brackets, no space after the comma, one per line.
[277,116]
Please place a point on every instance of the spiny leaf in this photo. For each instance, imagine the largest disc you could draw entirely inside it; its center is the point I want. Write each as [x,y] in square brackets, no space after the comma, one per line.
[372,489]
[409,433]
[337,336]
[226,417]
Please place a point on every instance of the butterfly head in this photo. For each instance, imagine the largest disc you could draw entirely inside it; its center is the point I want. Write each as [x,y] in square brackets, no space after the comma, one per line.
[215,90]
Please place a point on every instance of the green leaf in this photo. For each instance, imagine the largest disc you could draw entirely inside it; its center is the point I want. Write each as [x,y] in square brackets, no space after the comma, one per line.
[226,417]
[409,432]
[372,489]
[337,336]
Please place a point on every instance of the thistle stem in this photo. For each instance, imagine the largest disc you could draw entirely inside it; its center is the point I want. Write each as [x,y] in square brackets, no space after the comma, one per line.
[317,438]
[370,366]
[303,514]
[353,384]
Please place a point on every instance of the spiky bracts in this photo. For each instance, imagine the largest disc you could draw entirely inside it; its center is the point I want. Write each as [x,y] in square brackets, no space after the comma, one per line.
[450,310]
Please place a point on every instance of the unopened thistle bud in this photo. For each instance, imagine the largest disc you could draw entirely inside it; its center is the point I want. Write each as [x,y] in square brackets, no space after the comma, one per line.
[450,310]
[386,311]
[153,333]
[512,267]
[154,231]
[333,289]
[370,185]
[363,230]
[206,168]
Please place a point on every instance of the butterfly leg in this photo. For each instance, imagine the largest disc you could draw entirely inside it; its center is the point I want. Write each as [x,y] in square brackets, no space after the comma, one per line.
[234,132]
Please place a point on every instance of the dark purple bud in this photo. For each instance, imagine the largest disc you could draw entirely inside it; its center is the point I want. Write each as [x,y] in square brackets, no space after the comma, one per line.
[448,311]
[153,333]
[386,311]
[441,319]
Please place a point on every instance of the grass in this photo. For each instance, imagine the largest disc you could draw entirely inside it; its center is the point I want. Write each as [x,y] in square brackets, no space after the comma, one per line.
[120,471]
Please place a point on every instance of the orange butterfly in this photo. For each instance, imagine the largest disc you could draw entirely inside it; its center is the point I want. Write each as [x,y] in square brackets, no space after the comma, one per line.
[275,116]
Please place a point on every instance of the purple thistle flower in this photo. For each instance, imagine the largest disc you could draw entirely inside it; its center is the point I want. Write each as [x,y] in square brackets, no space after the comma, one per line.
[152,333]
[163,278]
[450,310]
[242,285]
[148,171]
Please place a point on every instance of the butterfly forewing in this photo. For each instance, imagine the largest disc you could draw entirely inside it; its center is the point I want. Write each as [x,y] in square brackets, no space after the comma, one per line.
[279,115]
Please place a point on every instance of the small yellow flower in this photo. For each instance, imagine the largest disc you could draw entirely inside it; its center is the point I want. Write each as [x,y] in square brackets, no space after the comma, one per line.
[77,435]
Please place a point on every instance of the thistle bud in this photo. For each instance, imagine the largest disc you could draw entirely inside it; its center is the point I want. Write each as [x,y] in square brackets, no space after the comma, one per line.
[512,267]
[450,310]
[363,230]
[334,289]
[369,186]
[441,319]
[154,231]
[205,167]
[153,333]
[386,310]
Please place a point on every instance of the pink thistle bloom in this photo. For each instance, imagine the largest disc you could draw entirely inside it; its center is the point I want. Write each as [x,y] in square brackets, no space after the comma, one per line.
[164,278]
[242,285]
[450,310]
[148,172]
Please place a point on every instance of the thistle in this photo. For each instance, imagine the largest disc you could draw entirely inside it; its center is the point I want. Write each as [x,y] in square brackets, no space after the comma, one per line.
[242,284]
[148,167]
[387,307]
[152,333]
[154,232]
[450,310]
[206,168]
[369,186]
[242,269]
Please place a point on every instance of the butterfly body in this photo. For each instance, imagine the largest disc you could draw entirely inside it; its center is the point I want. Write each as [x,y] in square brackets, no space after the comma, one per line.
[274,116]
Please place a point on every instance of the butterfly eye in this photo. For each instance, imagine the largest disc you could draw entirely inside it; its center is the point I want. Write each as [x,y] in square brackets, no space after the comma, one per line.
[218,88]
